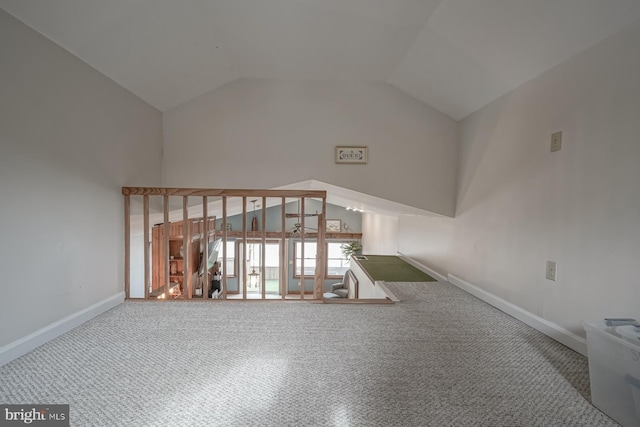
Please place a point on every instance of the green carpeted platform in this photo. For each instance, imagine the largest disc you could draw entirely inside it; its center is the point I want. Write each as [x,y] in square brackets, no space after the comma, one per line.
[392,269]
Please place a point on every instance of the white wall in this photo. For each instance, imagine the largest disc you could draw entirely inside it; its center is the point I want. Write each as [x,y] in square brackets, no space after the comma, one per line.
[69,138]
[263,133]
[520,205]
[379,234]
[366,288]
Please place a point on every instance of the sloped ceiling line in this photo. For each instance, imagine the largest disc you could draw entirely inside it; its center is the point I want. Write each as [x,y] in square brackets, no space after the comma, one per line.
[454,55]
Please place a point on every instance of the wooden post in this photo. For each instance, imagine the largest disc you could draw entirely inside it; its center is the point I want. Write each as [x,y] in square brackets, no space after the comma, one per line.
[145,213]
[205,249]
[127,246]
[165,244]
[321,260]
[283,263]
[186,253]
[162,240]
[264,249]
[244,247]
[302,232]
[224,247]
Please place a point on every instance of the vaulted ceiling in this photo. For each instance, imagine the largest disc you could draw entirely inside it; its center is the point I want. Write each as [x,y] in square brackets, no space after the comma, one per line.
[454,55]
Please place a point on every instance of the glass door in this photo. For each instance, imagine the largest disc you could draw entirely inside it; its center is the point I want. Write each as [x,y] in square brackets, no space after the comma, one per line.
[254,279]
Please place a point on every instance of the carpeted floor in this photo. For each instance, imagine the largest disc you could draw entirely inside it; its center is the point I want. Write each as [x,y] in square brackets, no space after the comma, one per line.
[392,269]
[438,358]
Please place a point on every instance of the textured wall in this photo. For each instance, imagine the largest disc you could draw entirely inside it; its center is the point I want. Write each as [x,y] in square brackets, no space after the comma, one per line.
[69,138]
[263,134]
[519,205]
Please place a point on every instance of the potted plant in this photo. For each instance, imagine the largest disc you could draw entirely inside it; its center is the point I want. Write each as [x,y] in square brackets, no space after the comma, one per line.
[351,248]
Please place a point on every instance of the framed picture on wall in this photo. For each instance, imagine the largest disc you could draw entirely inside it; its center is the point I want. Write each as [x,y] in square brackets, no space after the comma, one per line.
[352,155]
[333,226]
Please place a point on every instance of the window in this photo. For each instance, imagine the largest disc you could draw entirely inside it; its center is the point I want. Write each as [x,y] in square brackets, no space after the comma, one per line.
[337,265]
[309,258]
[231,259]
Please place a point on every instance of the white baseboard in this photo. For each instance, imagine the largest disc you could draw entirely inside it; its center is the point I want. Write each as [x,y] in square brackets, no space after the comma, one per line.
[563,336]
[431,272]
[385,290]
[26,344]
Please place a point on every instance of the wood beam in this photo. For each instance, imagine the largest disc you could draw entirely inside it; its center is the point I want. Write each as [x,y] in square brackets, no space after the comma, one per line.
[187,233]
[165,244]
[224,247]
[211,192]
[244,247]
[307,235]
[321,262]
[145,214]
[263,257]
[302,233]
[127,246]
[205,248]
[186,253]
[283,238]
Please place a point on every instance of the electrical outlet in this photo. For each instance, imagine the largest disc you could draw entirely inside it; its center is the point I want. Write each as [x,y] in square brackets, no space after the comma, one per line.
[556,141]
[551,270]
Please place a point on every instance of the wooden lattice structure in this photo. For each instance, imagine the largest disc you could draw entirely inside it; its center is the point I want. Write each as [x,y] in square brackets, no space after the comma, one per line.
[189,230]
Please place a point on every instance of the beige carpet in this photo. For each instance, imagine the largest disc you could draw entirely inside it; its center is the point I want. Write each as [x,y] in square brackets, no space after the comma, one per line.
[438,358]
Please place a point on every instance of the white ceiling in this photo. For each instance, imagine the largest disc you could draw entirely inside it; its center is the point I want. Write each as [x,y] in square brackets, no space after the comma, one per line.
[455,55]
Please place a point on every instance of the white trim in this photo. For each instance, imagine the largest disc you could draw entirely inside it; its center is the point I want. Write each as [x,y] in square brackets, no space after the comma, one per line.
[424,268]
[563,336]
[383,287]
[25,344]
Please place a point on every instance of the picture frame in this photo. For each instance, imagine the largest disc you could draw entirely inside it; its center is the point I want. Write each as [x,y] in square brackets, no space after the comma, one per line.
[355,155]
[333,226]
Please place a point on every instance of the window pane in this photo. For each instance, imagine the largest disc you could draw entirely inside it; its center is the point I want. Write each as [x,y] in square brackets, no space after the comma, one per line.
[337,265]
[309,267]
[230,267]
[272,255]
[310,249]
[337,272]
[231,259]
[335,250]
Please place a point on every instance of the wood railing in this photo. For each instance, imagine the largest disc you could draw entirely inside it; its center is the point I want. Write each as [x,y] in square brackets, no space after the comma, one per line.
[204,228]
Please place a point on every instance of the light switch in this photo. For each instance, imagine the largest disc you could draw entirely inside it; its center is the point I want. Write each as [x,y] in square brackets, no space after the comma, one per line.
[556,141]
[551,270]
